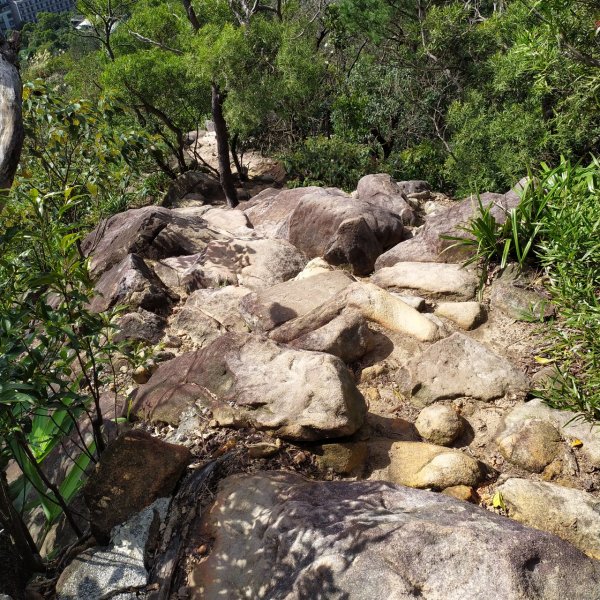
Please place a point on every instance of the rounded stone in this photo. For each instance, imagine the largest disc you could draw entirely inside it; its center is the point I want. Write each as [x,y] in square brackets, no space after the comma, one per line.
[439,424]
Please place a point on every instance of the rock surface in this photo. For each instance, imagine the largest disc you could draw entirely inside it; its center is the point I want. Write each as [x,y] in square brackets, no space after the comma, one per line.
[132,283]
[381,190]
[253,263]
[429,279]
[421,465]
[151,232]
[429,245]
[118,570]
[134,471]
[570,514]
[267,309]
[248,380]
[439,424]
[141,326]
[278,536]
[459,366]
[467,315]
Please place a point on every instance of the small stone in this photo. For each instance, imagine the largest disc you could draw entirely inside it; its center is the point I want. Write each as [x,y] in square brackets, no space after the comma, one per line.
[173,341]
[162,356]
[439,424]
[531,445]
[262,450]
[343,459]
[467,315]
[123,369]
[462,492]
[369,373]
[141,374]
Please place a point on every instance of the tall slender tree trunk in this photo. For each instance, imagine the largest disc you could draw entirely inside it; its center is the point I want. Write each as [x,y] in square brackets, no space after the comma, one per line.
[11,118]
[225,175]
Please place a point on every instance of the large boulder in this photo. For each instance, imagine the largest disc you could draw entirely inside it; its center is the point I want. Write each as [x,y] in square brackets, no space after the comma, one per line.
[568,513]
[231,221]
[140,326]
[278,536]
[250,381]
[266,309]
[429,279]
[151,232]
[343,230]
[382,191]
[134,471]
[459,366]
[429,244]
[134,284]
[269,210]
[253,263]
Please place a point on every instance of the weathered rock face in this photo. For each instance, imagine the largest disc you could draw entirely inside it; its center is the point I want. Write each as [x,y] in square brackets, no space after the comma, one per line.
[569,427]
[141,326]
[231,221]
[382,191]
[430,279]
[343,230]
[459,366]
[209,313]
[532,444]
[134,471]
[267,309]
[248,380]
[133,283]
[570,514]
[116,571]
[518,302]
[294,539]
[253,263]
[467,315]
[151,232]
[192,182]
[421,465]
[346,336]
[269,211]
[428,245]
[172,270]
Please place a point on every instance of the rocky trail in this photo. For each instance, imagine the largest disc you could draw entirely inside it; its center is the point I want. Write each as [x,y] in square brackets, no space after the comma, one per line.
[328,409]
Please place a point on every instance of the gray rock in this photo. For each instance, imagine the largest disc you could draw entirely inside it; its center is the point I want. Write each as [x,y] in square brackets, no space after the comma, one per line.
[531,444]
[295,539]
[172,270]
[346,336]
[429,246]
[413,186]
[141,326]
[570,425]
[467,315]
[134,284]
[151,232]
[421,465]
[253,263]
[571,514]
[343,230]
[520,303]
[250,381]
[458,366]
[382,191]
[192,182]
[268,308]
[120,568]
[429,279]
[231,221]
[439,424]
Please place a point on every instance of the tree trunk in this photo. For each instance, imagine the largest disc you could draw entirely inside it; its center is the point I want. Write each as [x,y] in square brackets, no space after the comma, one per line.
[11,118]
[241,171]
[225,175]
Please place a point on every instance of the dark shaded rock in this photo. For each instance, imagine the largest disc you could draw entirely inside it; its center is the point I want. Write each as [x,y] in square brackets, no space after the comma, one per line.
[343,230]
[346,336]
[134,471]
[133,283]
[295,539]
[141,326]
[151,232]
[12,572]
[193,182]
[382,191]
[250,381]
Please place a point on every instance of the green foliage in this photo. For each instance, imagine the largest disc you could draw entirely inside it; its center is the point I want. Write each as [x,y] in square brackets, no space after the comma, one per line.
[330,162]
[52,32]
